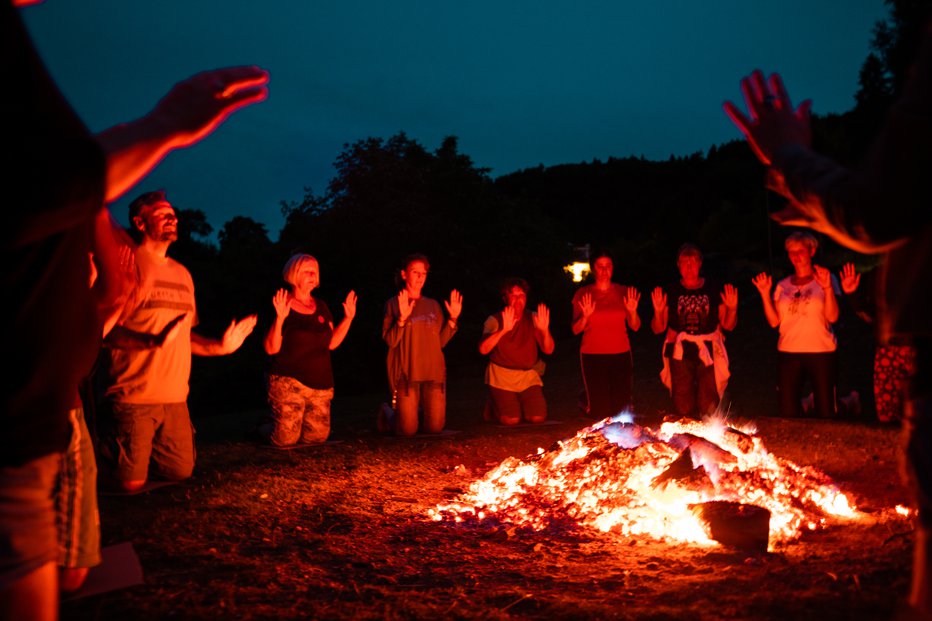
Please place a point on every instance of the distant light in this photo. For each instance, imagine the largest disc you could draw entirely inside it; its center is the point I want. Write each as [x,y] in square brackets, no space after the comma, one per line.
[579,270]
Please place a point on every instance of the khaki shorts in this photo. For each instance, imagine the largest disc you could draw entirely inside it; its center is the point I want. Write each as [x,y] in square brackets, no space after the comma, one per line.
[137,433]
[28,537]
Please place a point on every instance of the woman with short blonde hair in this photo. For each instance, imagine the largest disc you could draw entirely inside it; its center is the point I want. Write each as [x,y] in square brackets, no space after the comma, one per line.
[300,379]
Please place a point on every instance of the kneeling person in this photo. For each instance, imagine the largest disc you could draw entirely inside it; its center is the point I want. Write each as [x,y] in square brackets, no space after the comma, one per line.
[514,339]
[148,386]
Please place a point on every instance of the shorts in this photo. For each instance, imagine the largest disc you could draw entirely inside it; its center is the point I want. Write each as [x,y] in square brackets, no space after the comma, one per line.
[138,433]
[76,499]
[28,537]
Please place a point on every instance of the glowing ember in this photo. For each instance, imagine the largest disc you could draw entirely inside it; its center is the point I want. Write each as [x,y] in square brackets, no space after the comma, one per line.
[621,478]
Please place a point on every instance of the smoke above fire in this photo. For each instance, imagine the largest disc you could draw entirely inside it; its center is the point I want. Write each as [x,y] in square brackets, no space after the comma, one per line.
[703,482]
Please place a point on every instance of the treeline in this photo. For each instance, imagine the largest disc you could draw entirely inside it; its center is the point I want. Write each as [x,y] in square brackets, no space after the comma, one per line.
[391,197]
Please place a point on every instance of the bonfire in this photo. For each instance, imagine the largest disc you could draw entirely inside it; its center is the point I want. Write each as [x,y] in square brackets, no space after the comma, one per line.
[702,482]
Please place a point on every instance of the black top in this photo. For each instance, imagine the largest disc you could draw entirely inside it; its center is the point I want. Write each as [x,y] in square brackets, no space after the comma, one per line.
[305,352]
[694,311]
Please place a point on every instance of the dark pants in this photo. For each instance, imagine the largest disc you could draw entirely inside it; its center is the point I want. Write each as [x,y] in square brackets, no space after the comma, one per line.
[510,407]
[609,381]
[693,387]
[822,371]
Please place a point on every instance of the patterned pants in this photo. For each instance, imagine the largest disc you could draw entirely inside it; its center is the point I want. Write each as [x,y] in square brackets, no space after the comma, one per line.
[893,366]
[299,413]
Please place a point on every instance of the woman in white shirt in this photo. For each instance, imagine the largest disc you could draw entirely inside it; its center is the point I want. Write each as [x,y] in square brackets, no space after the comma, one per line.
[803,307]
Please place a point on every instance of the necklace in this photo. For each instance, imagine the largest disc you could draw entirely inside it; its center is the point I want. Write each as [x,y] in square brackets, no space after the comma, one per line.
[799,288]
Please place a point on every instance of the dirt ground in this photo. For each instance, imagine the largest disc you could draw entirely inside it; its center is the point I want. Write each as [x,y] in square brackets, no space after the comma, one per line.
[340,531]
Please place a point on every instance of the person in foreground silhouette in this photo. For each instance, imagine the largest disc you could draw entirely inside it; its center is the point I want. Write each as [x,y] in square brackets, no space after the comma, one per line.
[51,327]
[884,205]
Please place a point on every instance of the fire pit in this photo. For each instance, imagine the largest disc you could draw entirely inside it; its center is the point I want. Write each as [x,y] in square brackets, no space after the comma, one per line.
[707,483]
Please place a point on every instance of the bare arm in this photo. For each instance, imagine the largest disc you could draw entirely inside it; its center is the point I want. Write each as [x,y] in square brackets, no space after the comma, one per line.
[763,282]
[115,268]
[658,322]
[632,297]
[454,307]
[828,197]
[120,337]
[495,332]
[349,311]
[541,321]
[728,309]
[824,278]
[233,337]
[273,338]
[582,311]
[190,111]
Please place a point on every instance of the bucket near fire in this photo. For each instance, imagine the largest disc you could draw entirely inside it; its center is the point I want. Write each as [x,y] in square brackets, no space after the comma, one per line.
[736,525]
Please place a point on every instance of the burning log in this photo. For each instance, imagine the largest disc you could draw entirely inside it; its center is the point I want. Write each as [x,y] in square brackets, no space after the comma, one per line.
[685,473]
[702,450]
[736,525]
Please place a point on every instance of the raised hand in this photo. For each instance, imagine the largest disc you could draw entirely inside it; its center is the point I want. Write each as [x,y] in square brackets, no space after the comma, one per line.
[586,305]
[191,110]
[455,305]
[194,108]
[508,318]
[632,297]
[730,297]
[237,332]
[763,282]
[127,258]
[405,305]
[771,122]
[850,279]
[282,303]
[542,318]
[659,299]
[349,305]
[822,276]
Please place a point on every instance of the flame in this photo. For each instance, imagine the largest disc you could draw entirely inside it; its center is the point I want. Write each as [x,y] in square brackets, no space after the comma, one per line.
[621,478]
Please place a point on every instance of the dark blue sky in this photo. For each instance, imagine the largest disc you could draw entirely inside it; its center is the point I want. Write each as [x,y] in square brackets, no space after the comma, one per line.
[521,83]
